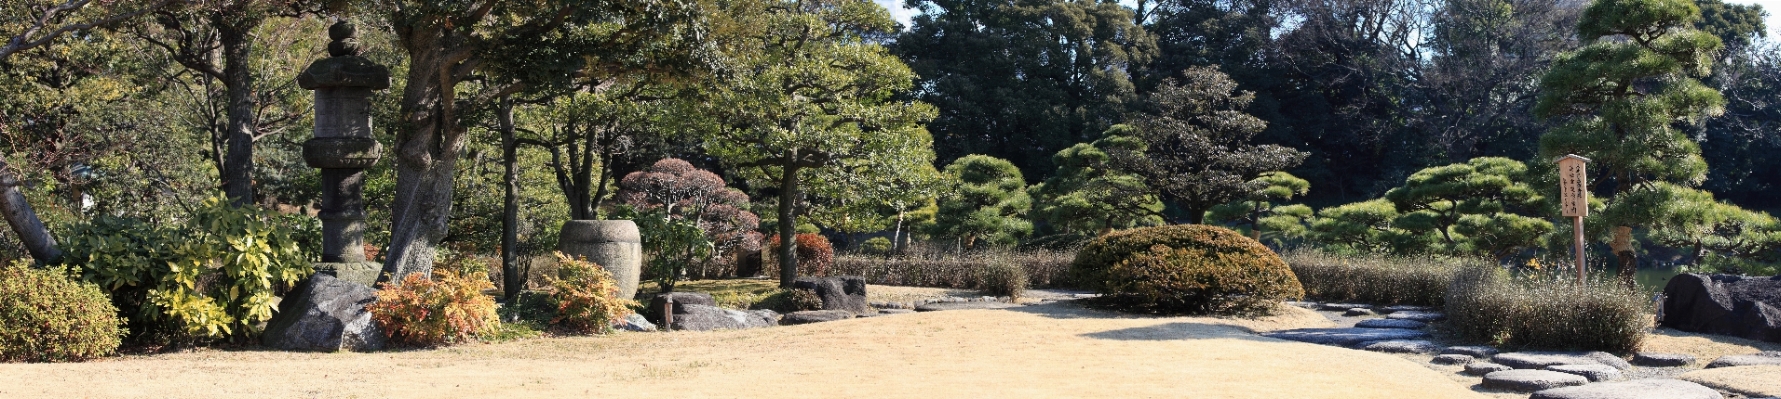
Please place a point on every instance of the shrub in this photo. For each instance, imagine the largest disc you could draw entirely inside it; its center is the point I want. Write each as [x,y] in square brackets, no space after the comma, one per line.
[815,255]
[877,245]
[1486,304]
[447,309]
[1003,278]
[1093,260]
[1376,279]
[803,299]
[214,275]
[587,296]
[926,266]
[50,318]
[1199,281]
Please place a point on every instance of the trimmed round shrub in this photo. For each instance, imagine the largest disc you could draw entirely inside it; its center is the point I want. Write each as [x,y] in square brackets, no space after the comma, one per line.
[815,255]
[1186,269]
[48,317]
[877,245]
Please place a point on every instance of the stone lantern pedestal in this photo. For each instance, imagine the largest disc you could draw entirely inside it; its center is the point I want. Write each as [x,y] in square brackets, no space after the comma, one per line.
[343,148]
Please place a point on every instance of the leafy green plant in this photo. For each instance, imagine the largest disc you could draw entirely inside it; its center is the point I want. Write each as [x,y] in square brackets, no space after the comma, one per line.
[447,309]
[587,296]
[877,245]
[51,318]
[671,243]
[215,275]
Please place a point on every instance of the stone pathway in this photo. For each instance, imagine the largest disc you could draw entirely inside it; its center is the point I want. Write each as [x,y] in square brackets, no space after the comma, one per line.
[1543,375]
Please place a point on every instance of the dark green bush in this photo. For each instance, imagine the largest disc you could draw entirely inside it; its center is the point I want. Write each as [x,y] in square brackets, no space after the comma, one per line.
[47,317]
[1376,279]
[1186,269]
[1486,304]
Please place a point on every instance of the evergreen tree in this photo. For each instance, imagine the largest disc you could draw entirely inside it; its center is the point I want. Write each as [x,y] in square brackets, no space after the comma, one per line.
[987,202]
[1261,209]
[1198,149]
[1089,195]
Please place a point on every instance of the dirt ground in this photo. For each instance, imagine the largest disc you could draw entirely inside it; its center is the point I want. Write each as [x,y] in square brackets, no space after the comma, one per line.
[1048,350]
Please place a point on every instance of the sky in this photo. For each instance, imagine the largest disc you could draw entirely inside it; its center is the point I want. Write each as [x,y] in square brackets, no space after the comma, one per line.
[1773,7]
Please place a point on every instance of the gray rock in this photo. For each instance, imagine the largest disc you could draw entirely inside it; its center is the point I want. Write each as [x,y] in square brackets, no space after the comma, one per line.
[1482,368]
[1402,346]
[814,316]
[1346,337]
[1417,316]
[941,306]
[364,273]
[1541,360]
[1359,312]
[895,311]
[1741,306]
[1594,372]
[1452,359]
[680,299]
[1404,308]
[1759,359]
[1306,305]
[634,322]
[1635,389]
[327,314]
[1481,352]
[615,245]
[1662,359]
[838,293]
[1391,323]
[707,318]
[1340,307]
[1531,380]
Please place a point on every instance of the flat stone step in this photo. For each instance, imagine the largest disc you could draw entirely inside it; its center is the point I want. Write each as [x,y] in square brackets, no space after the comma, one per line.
[1402,346]
[1481,352]
[1636,389]
[1391,323]
[1341,307]
[1594,372]
[1531,380]
[1481,368]
[1759,359]
[1454,359]
[1542,360]
[1418,316]
[1346,337]
[1662,359]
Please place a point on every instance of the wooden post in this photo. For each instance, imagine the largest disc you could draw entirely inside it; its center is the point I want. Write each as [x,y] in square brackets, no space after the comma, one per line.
[1574,201]
[668,314]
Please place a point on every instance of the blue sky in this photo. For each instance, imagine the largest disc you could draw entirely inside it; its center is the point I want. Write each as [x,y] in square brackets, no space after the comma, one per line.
[1773,7]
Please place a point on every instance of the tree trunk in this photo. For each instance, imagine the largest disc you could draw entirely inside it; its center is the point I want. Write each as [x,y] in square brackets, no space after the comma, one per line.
[512,280]
[1623,250]
[788,221]
[24,220]
[238,81]
[426,152]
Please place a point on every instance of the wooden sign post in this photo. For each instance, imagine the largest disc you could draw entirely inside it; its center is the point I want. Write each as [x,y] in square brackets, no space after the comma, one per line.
[1574,200]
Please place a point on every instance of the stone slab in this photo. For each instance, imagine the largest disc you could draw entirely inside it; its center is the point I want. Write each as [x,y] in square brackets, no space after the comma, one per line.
[1341,307]
[1752,381]
[814,316]
[1531,380]
[1402,346]
[1542,360]
[1662,359]
[1655,388]
[1594,372]
[1454,359]
[1345,337]
[1418,316]
[1481,352]
[1391,323]
[1482,368]
[1759,359]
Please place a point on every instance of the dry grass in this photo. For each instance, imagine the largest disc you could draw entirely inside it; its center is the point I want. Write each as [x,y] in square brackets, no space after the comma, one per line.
[1487,304]
[1033,352]
[1379,280]
[928,266]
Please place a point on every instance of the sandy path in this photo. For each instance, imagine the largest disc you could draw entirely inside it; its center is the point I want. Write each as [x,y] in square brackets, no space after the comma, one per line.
[1052,350]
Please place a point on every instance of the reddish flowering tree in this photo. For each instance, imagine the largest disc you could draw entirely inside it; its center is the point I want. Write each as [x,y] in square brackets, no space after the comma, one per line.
[683,192]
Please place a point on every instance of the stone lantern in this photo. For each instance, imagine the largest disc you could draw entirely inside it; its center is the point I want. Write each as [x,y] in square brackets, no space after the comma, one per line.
[343,148]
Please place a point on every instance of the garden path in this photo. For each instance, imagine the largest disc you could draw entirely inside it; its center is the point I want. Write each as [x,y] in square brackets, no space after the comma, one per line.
[1048,350]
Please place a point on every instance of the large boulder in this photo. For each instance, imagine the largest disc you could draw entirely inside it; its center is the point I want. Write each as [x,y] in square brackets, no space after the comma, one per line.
[324,313]
[814,316]
[653,312]
[838,293]
[707,318]
[1741,306]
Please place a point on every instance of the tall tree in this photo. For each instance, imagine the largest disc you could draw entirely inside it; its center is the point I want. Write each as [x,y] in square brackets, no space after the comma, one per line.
[1023,79]
[1090,195]
[507,47]
[1621,99]
[986,201]
[811,103]
[1261,208]
[1198,150]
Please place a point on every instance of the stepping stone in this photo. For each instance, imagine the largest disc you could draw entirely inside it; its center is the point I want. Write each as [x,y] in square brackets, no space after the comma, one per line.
[1481,352]
[1482,368]
[1405,308]
[1750,381]
[1418,316]
[1402,346]
[1346,337]
[1662,359]
[1359,312]
[1391,323]
[895,311]
[1339,307]
[940,306]
[1541,360]
[1306,305]
[1635,389]
[814,316]
[1531,380]
[1452,359]
[1594,372]
[1759,359]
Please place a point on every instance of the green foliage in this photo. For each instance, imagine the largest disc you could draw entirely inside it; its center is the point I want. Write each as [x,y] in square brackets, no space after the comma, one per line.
[1089,195]
[51,318]
[1198,150]
[445,310]
[670,244]
[1691,219]
[1360,227]
[987,200]
[1376,279]
[1221,272]
[877,245]
[1735,24]
[1481,197]
[215,275]
[1089,270]
[1262,212]
[1486,304]
[587,296]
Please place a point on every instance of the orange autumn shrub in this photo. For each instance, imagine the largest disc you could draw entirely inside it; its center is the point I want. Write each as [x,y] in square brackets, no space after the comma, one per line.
[444,310]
